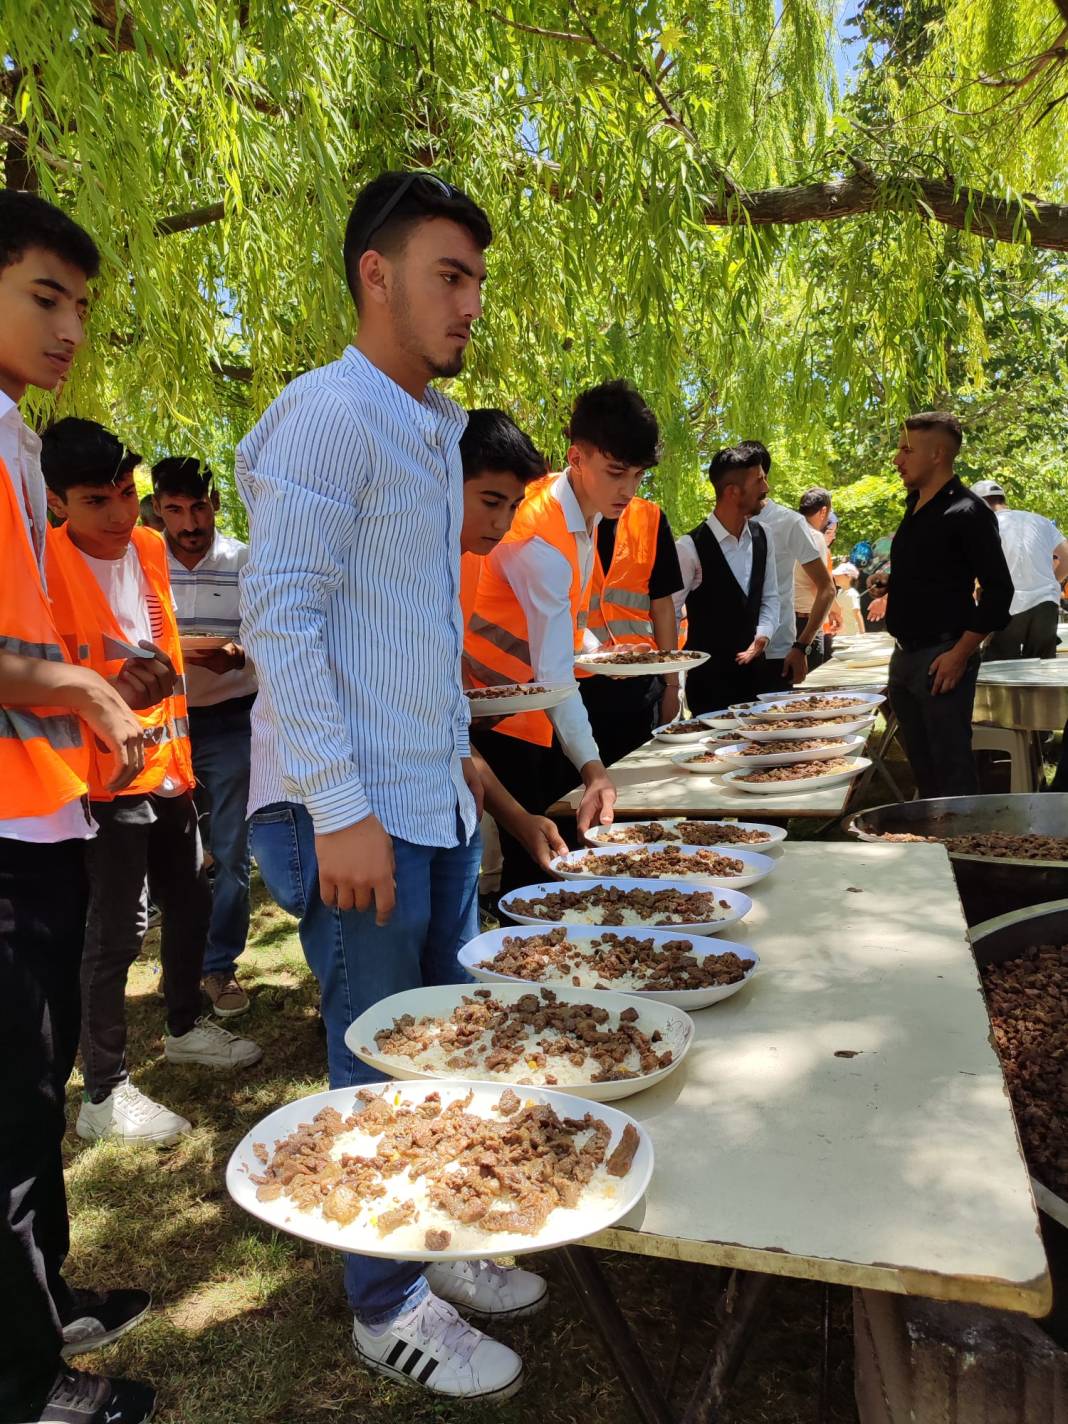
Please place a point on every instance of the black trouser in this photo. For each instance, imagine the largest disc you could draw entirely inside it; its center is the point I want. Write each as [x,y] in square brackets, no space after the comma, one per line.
[622,712]
[536,777]
[819,653]
[724,682]
[1030,634]
[936,730]
[772,678]
[140,835]
[42,924]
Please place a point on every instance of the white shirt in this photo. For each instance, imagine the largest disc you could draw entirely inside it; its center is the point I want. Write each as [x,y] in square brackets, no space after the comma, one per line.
[739,555]
[540,578]
[1029,541]
[848,601]
[350,603]
[795,542]
[20,450]
[207,599]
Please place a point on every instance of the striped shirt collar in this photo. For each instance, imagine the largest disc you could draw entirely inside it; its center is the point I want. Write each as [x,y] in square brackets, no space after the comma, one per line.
[433,407]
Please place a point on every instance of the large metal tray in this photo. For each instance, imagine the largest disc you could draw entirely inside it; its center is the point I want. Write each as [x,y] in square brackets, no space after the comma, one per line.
[987,885]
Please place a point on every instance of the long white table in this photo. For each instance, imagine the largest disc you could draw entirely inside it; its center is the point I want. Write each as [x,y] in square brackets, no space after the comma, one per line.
[843,1118]
[650,784]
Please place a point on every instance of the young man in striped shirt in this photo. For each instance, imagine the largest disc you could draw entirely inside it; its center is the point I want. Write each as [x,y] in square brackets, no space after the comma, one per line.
[364,798]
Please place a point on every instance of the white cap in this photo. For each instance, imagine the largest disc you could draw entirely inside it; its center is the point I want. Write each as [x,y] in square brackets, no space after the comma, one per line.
[987,489]
[850,569]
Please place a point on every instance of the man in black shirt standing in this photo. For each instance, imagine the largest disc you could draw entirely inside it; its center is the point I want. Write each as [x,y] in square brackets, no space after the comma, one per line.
[947,542]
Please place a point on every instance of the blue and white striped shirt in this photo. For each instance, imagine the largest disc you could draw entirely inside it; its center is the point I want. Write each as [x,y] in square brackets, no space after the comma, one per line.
[350,603]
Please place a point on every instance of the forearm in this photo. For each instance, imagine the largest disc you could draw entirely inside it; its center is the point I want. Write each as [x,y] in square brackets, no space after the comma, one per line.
[821,606]
[25,682]
[968,643]
[499,801]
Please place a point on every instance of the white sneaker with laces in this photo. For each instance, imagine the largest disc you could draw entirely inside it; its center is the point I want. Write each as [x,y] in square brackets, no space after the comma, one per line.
[208,1043]
[128,1114]
[482,1288]
[434,1347]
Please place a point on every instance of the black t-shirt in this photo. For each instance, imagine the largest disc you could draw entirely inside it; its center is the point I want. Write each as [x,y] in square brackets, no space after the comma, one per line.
[666,577]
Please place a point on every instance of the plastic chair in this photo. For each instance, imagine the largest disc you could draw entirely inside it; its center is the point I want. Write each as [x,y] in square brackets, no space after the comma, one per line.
[987,738]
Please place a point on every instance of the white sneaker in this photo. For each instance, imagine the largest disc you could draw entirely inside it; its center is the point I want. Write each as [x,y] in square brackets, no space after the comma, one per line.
[481,1288]
[207,1043]
[127,1114]
[433,1347]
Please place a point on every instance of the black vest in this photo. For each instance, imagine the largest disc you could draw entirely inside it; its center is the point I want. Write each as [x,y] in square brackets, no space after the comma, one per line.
[722,620]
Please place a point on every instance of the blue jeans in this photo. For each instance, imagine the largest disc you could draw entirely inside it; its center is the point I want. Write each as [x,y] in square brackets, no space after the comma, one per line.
[221,746]
[358,962]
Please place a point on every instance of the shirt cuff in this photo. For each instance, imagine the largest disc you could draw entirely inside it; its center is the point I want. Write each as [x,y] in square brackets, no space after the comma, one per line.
[337,808]
[463,741]
[763,631]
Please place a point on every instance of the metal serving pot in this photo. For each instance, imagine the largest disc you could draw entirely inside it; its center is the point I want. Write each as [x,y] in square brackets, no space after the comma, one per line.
[987,885]
[1006,937]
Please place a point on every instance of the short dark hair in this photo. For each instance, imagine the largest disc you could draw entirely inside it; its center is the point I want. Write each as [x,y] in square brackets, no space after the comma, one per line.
[941,420]
[82,452]
[760,451]
[813,500]
[425,196]
[730,464]
[614,418]
[27,221]
[493,441]
[182,474]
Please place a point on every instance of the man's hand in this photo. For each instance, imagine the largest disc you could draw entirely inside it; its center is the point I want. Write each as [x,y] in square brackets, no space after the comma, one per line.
[877,609]
[356,867]
[947,670]
[474,783]
[228,658]
[114,726]
[539,838]
[795,665]
[755,648]
[145,682]
[598,799]
[669,704]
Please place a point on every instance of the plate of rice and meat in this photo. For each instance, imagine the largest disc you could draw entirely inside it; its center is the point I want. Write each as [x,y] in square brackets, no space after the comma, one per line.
[441,1171]
[693,833]
[786,780]
[600,1048]
[787,753]
[678,904]
[687,972]
[640,662]
[711,865]
[514,697]
[801,729]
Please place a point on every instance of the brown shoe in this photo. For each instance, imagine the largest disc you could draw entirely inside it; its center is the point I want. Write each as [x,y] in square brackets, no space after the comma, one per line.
[228,999]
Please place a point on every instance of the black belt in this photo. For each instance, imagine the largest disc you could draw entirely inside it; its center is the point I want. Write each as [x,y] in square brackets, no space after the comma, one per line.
[932,640]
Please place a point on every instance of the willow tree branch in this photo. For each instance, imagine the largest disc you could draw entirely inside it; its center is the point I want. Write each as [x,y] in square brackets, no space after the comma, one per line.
[186,222]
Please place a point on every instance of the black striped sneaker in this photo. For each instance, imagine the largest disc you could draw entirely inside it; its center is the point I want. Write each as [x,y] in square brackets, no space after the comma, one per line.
[433,1347]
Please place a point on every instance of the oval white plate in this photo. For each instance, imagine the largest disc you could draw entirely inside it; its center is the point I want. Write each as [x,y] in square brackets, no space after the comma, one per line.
[773,710]
[681,739]
[491,942]
[721,721]
[551,696]
[731,758]
[598,662]
[776,834]
[614,1198]
[757,866]
[803,734]
[738,904]
[704,768]
[675,1027]
[786,788]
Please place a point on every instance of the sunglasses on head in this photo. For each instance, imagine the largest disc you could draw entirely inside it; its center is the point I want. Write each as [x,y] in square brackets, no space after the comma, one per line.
[427,185]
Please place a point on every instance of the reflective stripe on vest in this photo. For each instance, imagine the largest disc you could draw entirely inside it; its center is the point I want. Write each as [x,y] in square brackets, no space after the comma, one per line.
[620,606]
[85,619]
[44,752]
[496,641]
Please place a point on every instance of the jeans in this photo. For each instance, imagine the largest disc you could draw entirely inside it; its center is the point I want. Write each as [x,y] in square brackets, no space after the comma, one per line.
[139,835]
[358,962]
[221,743]
[936,730]
[42,923]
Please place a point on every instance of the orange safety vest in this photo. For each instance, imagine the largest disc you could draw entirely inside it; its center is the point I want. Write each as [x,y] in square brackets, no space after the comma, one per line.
[620,606]
[470,572]
[496,646]
[44,751]
[84,617]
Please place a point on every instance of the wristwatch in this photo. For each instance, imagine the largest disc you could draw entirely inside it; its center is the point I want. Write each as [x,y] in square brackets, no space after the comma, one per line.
[805,648]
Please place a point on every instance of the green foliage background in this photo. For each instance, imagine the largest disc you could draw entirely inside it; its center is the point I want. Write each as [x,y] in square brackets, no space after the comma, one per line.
[213,148]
